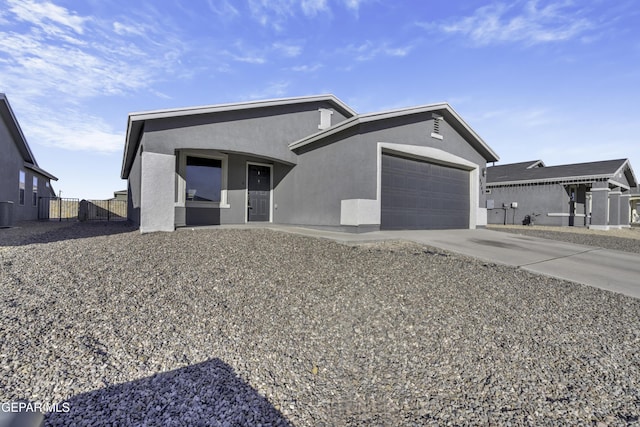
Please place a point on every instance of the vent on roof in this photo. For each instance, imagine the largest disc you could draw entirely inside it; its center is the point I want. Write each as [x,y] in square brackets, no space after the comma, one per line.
[436,126]
[325,118]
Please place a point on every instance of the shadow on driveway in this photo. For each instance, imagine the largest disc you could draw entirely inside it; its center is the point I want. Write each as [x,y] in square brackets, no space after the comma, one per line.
[30,232]
[205,394]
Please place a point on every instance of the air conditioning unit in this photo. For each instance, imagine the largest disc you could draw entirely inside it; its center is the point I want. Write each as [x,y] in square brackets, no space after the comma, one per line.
[6,214]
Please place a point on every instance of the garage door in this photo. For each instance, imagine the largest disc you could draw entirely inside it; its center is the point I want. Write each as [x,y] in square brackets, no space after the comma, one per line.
[422,195]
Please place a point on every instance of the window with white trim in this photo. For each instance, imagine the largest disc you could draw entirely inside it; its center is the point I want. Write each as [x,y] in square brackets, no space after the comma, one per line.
[21,188]
[203,179]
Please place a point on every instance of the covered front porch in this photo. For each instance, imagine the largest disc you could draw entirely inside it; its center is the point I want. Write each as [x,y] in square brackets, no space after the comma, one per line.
[214,187]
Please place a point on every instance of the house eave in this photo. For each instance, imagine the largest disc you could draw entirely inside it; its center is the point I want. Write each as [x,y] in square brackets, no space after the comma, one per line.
[39,170]
[555,180]
[208,109]
[463,127]
[136,120]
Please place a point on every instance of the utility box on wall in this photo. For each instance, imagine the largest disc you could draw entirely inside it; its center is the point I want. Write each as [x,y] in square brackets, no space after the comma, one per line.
[6,214]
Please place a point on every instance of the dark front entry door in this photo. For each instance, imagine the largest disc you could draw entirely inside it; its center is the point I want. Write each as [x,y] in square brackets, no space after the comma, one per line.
[259,189]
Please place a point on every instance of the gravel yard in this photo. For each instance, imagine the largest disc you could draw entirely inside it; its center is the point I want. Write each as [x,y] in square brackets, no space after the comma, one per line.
[627,240]
[249,327]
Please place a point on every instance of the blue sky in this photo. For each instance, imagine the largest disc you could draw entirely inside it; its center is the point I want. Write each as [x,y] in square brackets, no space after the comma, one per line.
[551,80]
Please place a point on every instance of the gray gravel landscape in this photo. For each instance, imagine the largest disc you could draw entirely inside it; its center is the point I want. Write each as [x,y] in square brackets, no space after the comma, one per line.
[626,240]
[257,327]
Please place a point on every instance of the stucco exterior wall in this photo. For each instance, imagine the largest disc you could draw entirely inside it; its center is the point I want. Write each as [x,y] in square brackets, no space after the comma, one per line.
[312,185]
[262,132]
[11,163]
[417,129]
[157,197]
[133,190]
[345,166]
[539,199]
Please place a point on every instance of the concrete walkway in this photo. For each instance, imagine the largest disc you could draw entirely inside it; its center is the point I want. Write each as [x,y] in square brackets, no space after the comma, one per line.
[606,269]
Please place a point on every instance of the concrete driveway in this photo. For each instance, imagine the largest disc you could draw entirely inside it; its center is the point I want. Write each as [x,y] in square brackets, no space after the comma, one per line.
[606,269]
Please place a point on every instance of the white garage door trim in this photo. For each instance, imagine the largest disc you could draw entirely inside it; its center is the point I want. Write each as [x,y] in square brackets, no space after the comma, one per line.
[368,211]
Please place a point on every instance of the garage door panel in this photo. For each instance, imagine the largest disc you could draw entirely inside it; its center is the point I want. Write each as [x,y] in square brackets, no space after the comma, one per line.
[422,195]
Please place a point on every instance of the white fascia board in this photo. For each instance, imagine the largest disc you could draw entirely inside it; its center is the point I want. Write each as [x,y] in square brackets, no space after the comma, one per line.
[364,118]
[621,169]
[370,117]
[346,124]
[206,109]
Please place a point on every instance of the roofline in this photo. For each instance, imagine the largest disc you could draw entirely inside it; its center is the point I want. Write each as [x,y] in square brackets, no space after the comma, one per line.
[609,176]
[18,129]
[621,169]
[535,164]
[551,180]
[365,118]
[216,108]
[41,171]
[233,106]
[16,132]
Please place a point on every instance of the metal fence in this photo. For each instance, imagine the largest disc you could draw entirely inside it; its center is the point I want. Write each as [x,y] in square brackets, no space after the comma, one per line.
[59,209]
[56,208]
[104,210]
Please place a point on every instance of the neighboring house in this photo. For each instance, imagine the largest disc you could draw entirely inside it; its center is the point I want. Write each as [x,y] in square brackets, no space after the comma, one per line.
[635,205]
[120,195]
[309,161]
[22,181]
[595,194]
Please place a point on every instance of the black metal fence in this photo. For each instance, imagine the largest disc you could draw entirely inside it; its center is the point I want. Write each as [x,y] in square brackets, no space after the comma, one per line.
[65,209]
[56,208]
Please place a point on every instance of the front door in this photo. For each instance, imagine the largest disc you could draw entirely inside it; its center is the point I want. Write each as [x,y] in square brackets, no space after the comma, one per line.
[259,192]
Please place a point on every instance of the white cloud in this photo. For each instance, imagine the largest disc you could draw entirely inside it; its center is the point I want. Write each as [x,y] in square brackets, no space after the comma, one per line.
[370,50]
[273,90]
[528,23]
[353,4]
[223,8]
[96,58]
[289,50]
[70,129]
[313,7]
[306,68]
[52,54]
[272,12]
[46,15]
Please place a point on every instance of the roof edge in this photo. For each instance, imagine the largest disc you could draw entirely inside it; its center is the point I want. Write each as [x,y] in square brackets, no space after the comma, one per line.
[140,117]
[41,171]
[382,115]
[245,105]
[549,180]
[18,130]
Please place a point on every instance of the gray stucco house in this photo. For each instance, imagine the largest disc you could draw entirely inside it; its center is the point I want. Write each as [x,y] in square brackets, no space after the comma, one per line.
[309,161]
[22,181]
[595,194]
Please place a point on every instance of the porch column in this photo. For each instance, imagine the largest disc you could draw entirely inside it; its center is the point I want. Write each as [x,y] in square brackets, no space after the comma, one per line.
[600,206]
[157,192]
[625,210]
[614,207]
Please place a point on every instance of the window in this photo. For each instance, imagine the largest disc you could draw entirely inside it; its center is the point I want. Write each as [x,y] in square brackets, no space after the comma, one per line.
[35,191]
[203,179]
[21,188]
